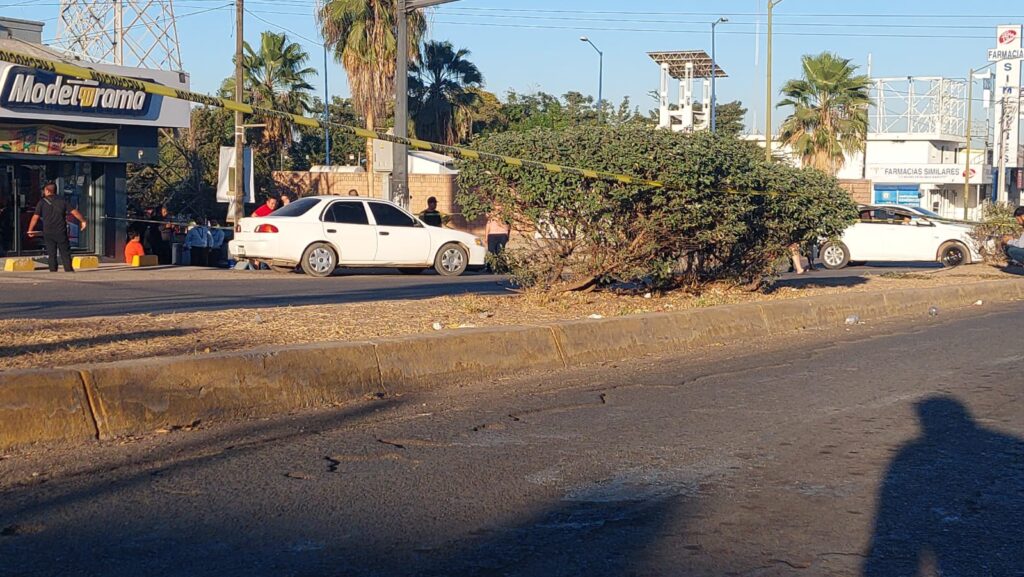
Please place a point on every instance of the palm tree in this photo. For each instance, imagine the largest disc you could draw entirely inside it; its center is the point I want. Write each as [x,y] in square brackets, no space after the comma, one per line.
[442,90]
[830,112]
[276,77]
[362,35]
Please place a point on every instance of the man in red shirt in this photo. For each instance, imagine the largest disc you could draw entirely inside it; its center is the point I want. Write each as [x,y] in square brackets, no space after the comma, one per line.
[267,207]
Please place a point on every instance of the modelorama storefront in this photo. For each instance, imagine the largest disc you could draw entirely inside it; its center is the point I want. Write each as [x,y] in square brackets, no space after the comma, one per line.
[80,135]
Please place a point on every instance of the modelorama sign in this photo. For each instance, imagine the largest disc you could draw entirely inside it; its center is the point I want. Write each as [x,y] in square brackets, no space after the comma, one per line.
[59,141]
[35,89]
[28,94]
[29,90]
[923,174]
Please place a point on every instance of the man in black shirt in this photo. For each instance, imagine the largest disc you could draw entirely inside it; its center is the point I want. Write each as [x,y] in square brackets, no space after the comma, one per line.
[432,216]
[53,211]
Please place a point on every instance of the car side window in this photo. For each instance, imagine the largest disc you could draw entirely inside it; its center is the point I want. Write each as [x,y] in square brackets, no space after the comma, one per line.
[346,213]
[387,215]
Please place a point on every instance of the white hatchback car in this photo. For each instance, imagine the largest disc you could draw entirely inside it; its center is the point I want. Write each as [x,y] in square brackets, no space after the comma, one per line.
[320,233]
[901,233]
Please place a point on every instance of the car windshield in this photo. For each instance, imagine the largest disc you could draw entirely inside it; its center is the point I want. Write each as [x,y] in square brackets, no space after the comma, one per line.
[928,213]
[297,208]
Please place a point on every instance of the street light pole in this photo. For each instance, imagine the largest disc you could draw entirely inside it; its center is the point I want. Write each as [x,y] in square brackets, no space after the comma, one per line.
[600,78]
[969,132]
[768,88]
[967,147]
[714,74]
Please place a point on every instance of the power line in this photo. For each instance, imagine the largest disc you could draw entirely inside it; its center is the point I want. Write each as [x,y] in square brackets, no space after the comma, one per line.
[691,31]
[278,26]
[466,12]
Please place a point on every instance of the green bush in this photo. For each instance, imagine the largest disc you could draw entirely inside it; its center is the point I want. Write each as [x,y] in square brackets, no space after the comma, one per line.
[996,220]
[704,226]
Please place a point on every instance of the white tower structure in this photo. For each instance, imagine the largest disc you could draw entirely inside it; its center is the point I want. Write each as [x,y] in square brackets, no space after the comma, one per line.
[687,67]
[138,33]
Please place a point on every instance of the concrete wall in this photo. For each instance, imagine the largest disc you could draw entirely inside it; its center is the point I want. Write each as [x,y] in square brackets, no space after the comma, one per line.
[859,189]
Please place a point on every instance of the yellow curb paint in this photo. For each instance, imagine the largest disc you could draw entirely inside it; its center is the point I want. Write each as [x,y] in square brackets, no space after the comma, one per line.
[19,265]
[145,260]
[81,262]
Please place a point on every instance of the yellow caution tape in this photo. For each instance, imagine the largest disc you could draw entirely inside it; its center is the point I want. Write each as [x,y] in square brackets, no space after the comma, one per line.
[127,83]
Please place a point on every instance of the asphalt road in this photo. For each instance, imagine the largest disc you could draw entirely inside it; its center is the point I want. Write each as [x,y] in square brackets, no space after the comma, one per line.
[867,450]
[106,291]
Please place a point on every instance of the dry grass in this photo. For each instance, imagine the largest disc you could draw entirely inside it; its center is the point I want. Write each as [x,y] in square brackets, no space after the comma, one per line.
[47,343]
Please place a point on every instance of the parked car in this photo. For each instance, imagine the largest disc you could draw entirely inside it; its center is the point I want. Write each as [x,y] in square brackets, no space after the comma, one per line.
[320,233]
[900,233]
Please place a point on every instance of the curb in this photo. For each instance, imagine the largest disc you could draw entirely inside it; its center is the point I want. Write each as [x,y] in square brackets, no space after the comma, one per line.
[104,401]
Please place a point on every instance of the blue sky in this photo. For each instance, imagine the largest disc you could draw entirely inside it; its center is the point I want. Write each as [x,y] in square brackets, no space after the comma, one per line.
[531,45]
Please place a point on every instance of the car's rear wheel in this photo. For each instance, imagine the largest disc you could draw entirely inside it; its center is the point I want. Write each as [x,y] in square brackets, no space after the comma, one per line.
[835,255]
[319,259]
[411,270]
[451,260]
[953,254]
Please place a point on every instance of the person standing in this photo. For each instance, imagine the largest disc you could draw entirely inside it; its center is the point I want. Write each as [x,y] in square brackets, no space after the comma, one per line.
[53,211]
[433,217]
[167,232]
[197,241]
[497,233]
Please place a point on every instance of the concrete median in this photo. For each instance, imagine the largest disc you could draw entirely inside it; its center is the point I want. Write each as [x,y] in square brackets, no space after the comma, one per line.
[135,397]
[41,406]
[139,396]
[422,361]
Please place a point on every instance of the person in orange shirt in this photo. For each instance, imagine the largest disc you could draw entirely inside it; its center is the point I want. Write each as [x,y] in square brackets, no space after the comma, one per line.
[133,248]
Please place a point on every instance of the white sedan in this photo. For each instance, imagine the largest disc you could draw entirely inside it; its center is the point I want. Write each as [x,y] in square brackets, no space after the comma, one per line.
[320,233]
[898,234]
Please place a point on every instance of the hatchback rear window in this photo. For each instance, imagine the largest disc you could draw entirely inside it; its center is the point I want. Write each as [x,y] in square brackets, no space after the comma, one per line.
[297,207]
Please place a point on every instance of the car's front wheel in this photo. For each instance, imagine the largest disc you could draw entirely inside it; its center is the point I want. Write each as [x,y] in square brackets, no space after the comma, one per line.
[953,254]
[451,260]
[834,255]
[319,260]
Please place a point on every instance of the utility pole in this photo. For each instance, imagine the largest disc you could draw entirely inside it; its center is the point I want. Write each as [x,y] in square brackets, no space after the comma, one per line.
[400,163]
[327,115]
[239,176]
[768,88]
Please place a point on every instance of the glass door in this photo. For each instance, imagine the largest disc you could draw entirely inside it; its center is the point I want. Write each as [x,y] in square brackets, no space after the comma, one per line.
[74,183]
[8,210]
[28,181]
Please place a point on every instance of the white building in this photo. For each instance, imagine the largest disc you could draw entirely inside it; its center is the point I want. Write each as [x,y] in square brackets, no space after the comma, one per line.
[916,148]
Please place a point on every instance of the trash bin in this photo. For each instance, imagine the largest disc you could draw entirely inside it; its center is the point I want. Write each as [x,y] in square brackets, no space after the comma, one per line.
[177,255]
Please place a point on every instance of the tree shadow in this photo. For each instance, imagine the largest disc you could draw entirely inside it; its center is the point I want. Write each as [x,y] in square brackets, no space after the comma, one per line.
[12,350]
[952,499]
[581,537]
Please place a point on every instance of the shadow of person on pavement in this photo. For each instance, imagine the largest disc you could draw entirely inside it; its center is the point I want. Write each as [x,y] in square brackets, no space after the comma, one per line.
[952,499]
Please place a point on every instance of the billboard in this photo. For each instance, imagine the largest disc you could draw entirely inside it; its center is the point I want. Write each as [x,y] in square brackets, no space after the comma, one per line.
[29,94]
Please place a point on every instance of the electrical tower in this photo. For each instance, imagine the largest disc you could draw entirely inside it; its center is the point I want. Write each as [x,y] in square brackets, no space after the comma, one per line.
[139,33]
